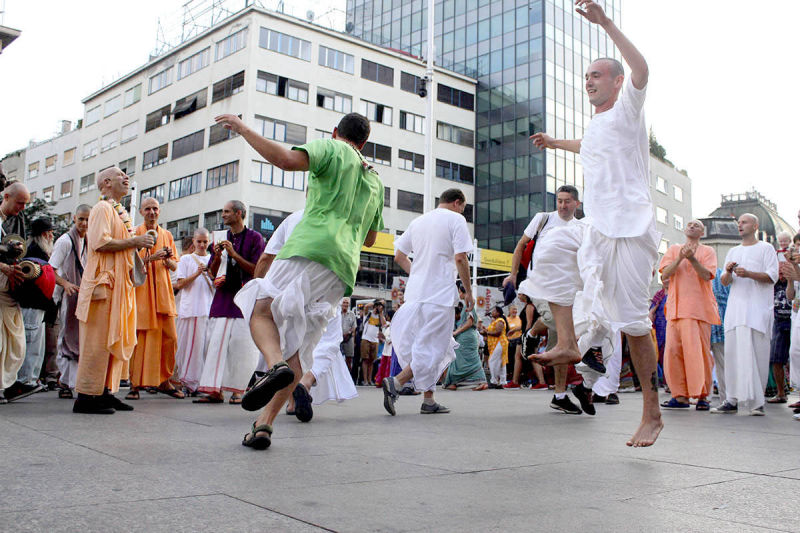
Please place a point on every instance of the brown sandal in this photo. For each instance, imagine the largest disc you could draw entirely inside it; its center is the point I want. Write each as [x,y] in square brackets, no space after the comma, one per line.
[132,395]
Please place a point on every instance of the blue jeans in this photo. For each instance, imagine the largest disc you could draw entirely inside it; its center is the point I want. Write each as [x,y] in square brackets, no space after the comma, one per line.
[34,346]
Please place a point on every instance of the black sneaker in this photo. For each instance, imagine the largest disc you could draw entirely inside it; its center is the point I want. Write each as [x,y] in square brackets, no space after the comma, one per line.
[302,403]
[596,398]
[584,396]
[92,405]
[593,358]
[612,399]
[408,391]
[389,395]
[279,377]
[20,390]
[565,405]
[115,403]
[725,409]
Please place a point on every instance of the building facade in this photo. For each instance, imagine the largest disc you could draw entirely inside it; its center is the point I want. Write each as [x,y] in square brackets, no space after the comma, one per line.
[671,191]
[52,170]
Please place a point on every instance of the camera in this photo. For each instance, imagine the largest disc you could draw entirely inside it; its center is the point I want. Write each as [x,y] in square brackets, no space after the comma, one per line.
[422,90]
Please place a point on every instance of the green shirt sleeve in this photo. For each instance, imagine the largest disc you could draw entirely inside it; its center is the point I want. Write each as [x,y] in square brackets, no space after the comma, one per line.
[319,153]
[377,221]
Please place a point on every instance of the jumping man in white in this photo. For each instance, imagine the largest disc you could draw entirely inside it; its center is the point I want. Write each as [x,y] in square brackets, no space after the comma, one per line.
[422,329]
[751,269]
[618,249]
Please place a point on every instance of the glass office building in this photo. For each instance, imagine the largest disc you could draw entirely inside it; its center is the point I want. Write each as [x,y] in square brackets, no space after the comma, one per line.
[529,57]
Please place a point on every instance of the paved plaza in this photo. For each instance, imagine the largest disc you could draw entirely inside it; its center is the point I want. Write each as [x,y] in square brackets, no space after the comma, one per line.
[502,460]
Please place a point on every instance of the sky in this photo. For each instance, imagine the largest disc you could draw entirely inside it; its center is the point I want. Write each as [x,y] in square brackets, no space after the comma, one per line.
[720,98]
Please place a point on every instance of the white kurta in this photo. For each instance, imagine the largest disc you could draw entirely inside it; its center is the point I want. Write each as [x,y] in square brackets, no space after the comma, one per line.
[333,380]
[192,347]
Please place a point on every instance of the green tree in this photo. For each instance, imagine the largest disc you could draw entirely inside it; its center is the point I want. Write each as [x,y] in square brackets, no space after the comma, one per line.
[39,208]
[655,148]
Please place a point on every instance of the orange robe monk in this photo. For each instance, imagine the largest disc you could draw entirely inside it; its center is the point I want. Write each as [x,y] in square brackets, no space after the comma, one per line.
[690,311]
[106,308]
[156,337]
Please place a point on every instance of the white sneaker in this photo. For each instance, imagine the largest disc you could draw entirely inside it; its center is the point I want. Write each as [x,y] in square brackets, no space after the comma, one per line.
[758,411]
[796,417]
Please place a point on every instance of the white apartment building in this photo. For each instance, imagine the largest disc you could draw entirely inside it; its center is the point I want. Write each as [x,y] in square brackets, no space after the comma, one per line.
[52,171]
[292,82]
[671,191]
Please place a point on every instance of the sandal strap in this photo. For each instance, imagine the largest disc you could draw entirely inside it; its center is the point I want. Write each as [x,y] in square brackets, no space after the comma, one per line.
[262,428]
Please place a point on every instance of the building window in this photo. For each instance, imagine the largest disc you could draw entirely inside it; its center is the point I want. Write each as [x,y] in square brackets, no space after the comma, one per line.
[90,149]
[322,134]
[189,144]
[231,44]
[387,197]
[661,215]
[228,87]
[285,44]
[156,192]
[156,156]
[455,97]
[376,112]
[213,220]
[678,220]
[455,134]
[218,133]
[47,194]
[185,186]
[677,193]
[663,246]
[92,115]
[409,201]
[377,153]
[190,104]
[88,182]
[112,105]
[377,72]
[334,101]
[412,122]
[133,95]
[328,57]
[109,141]
[661,184]
[272,175]
[222,175]
[281,86]
[129,131]
[69,157]
[469,213]
[157,118]
[278,130]
[193,63]
[128,166]
[50,163]
[160,80]
[184,227]
[410,83]
[411,161]
[33,170]
[454,171]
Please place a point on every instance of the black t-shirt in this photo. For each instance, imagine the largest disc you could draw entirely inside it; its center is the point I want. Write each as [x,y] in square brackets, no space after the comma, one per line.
[783,306]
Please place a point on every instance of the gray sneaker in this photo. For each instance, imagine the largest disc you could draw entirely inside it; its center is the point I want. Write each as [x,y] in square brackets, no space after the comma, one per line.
[758,411]
[725,409]
[389,395]
[436,408]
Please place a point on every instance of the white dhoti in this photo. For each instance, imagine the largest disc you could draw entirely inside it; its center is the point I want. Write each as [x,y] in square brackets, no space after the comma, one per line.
[333,380]
[305,294]
[191,351]
[12,341]
[231,357]
[69,370]
[609,383]
[746,366]
[422,337]
[497,370]
[794,352]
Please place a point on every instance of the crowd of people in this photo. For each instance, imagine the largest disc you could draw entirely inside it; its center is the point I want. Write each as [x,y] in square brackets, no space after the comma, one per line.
[271,323]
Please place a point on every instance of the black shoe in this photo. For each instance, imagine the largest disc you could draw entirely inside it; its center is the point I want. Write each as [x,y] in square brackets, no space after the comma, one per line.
[302,403]
[389,395]
[92,405]
[20,390]
[593,358]
[51,385]
[584,396]
[125,384]
[565,405]
[408,391]
[596,398]
[612,399]
[279,377]
[115,403]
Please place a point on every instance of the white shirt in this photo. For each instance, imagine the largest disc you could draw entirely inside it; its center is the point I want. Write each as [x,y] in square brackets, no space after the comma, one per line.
[553,221]
[434,238]
[61,250]
[616,162]
[196,297]
[281,234]
[750,303]
[372,324]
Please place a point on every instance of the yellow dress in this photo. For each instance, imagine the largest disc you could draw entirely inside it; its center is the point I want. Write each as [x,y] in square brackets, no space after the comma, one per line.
[498,325]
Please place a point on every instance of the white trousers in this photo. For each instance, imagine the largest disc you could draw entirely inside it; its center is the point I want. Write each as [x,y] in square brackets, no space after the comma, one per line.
[305,295]
[68,369]
[718,349]
[333,380]
[608,383]
[231,357]
[746,366]
[794,352]
[192,347]
[497,370]
[422,336]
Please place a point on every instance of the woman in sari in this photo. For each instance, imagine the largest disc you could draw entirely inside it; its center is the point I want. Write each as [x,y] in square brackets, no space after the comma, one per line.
[466,369]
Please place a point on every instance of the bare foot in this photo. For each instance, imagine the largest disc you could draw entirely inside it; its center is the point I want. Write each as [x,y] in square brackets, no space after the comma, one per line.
[452,387]
[557,356]
[647,433]
[482,386]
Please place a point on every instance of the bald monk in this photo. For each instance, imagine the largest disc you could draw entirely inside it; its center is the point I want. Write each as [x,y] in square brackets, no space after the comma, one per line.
[153,360]
[106,308]
[691,311]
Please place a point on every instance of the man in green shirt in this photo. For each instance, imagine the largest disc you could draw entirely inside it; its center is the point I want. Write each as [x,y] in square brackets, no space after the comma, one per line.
[289,308]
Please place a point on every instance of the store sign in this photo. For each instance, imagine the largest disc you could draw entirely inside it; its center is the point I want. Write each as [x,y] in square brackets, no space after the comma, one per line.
[487,297]
[266,224]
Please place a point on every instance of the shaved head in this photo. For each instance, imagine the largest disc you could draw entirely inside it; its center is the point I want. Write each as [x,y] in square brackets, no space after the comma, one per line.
[104,175]
[614,66]
[201,232]
[149,201]
[83,208]
[694,220]
[15,189]
[751,216]
[15,196]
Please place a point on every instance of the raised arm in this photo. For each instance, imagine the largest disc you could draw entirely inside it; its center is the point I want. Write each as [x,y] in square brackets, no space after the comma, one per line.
[270,150]
[543,141]
[592,12]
